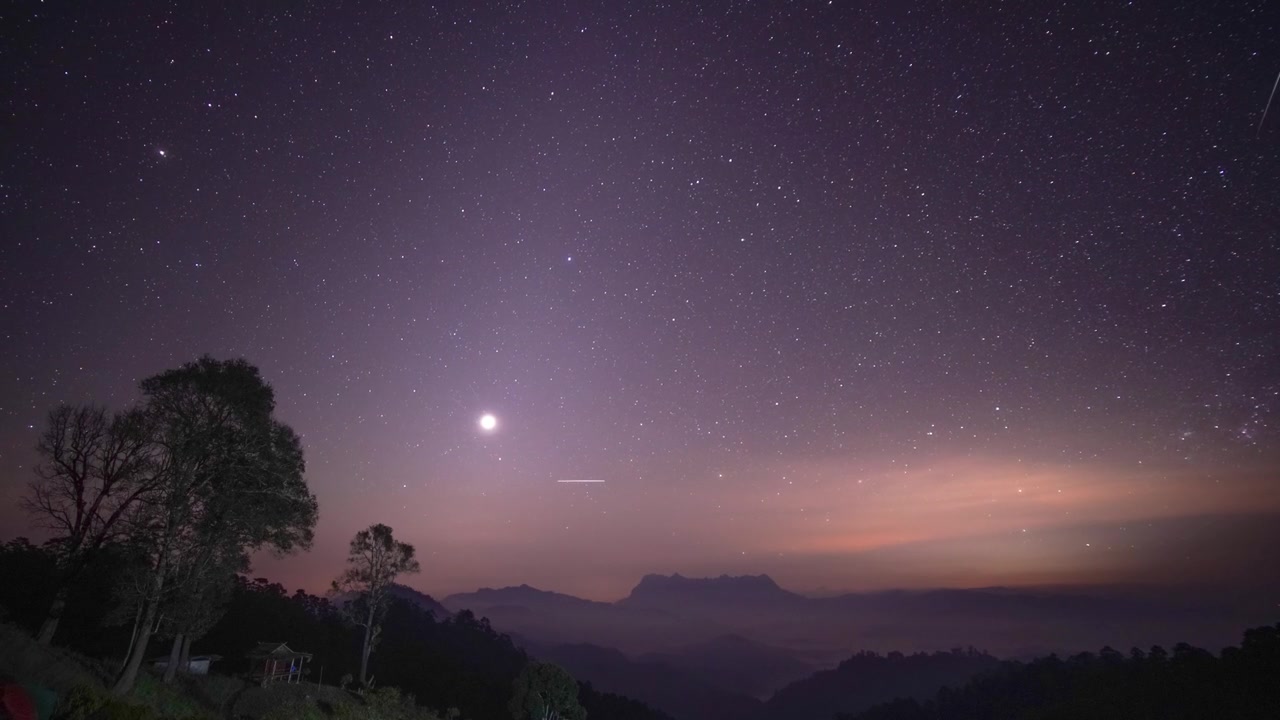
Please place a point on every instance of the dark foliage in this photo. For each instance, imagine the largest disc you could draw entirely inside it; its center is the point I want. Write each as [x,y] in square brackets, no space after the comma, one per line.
[867,679]
[607,706]
[26,602]
[462,662]
[1241,684]
[90,623]
[262,611]
[459,662]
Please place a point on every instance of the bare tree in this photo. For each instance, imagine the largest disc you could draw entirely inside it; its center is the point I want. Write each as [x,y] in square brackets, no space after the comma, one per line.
[374,561]
[93,470]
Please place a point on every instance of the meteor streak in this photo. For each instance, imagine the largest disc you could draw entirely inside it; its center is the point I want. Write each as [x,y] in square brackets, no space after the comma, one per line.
[1268,108]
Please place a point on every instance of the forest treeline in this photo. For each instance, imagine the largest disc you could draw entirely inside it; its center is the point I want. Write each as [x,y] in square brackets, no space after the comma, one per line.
[455,662]
[1242,683]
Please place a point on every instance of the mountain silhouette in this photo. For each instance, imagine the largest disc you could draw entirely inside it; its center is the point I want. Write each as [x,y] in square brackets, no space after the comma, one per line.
[741,637]
[523,596]
[677,591]
[557,618]
[663,613]
[401,592]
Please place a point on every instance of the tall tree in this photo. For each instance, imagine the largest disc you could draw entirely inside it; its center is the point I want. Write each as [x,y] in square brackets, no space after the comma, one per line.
[230,481]
[544,691]
[93,470]
[374,561]
[201,580]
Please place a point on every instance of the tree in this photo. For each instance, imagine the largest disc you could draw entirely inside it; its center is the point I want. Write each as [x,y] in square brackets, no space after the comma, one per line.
[375,559]
[93,470]
[201,583]
[544,691]
[229,482]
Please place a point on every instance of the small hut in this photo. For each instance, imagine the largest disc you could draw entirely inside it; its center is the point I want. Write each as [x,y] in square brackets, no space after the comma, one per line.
[276,662]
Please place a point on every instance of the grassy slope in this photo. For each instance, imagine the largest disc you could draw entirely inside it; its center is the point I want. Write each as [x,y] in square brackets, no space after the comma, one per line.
[63,671]
[197,697]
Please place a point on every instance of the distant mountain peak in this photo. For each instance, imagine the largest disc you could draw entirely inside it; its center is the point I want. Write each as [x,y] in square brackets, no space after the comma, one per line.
[510,592]
[660,589]
[678,580]
[523,595]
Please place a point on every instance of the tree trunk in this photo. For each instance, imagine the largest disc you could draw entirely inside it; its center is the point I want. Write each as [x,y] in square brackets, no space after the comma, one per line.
[129,675]
[175,655]
[364,653]
[133,637]
[184,660]
[56,609]
[368,643]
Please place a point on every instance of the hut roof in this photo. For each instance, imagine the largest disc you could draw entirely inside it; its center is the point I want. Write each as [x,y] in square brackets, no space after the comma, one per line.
[276,650]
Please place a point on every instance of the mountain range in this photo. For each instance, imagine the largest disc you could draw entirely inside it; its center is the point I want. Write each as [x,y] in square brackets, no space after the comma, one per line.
[734,646]
[663,613]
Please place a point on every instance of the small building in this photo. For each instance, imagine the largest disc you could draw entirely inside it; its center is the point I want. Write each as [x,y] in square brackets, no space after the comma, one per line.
[276,662]
[196,664]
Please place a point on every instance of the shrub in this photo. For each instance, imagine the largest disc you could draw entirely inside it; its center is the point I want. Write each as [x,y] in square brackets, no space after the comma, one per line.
[115,709]
[81,703]
[301,709]
[167,701]
[84,702]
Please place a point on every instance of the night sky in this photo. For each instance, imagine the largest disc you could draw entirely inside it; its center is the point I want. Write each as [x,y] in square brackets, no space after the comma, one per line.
[857,295]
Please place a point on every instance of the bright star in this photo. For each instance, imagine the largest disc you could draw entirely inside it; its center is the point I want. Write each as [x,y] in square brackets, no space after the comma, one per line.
[488,422]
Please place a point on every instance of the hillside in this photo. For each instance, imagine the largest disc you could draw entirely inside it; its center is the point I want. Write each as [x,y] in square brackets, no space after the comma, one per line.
[75,686]
[446,661]
[735,664]
[669,690]
[868,679]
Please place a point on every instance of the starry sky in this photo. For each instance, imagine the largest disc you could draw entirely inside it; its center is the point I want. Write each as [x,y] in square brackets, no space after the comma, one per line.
[859,295]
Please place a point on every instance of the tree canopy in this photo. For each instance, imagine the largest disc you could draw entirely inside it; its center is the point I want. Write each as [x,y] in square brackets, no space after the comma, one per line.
[228,481]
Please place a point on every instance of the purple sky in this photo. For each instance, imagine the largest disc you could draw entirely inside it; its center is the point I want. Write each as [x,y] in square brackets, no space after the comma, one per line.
[854,294]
